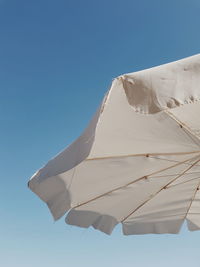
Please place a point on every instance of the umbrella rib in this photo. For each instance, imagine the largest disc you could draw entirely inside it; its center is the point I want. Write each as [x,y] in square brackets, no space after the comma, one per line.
[196,178]
[152,157]
[144,155]
[193,197]
[164,187]
[186,128]
[189,173]
[132,182]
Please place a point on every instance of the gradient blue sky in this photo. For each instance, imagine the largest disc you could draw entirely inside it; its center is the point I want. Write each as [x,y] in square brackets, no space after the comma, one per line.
[57,60]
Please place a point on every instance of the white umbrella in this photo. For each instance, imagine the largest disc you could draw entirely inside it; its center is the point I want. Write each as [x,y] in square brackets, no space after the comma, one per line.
[138,161]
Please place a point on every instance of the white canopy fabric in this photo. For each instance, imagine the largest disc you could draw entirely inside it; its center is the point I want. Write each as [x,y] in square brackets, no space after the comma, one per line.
[138,161]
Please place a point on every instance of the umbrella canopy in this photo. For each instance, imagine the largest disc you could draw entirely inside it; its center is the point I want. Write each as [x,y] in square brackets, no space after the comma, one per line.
[138,161]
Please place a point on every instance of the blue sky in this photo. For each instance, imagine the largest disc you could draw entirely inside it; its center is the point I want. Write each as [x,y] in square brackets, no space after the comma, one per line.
[57,60]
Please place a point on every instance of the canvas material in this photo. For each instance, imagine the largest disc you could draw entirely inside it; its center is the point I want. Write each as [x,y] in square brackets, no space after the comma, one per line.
[118,169]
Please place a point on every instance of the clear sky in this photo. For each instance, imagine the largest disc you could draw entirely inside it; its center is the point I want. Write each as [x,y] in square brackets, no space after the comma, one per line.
[57,60]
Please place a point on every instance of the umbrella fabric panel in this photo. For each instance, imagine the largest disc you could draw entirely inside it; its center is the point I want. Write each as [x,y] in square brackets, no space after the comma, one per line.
[164,213]
[166,86]
[121,131]
[53,191]
[96,177]
[115,206]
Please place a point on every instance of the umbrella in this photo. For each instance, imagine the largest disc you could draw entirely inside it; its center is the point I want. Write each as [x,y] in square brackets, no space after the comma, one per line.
[138,161]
